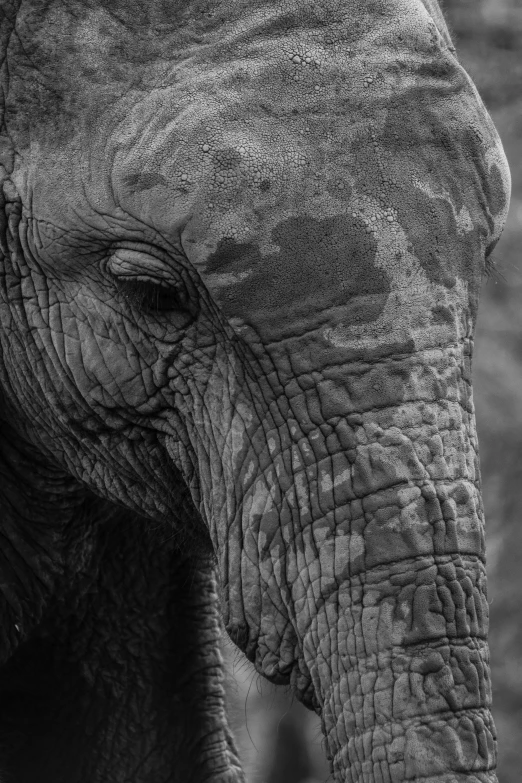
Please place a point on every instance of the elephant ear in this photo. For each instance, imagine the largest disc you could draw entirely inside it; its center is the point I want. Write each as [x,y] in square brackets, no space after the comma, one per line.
[8,11]
[434,10]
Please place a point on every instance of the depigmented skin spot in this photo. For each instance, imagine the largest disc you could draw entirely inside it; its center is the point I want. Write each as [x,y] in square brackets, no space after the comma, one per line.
[430,223]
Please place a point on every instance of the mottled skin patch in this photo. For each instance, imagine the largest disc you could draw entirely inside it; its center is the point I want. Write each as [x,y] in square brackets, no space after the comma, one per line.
[321,183]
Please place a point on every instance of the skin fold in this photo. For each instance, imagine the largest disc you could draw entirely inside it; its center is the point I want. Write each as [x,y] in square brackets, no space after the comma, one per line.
[242,245]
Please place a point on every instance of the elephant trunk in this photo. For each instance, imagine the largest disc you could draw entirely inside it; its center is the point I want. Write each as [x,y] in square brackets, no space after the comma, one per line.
[399,661]
[363,579]
[395,632]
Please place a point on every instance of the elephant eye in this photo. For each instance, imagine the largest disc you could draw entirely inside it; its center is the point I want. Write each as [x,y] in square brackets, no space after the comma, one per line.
[154,296]
[152,282]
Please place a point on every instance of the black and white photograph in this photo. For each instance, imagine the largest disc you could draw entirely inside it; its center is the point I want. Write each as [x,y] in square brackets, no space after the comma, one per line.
[260,391]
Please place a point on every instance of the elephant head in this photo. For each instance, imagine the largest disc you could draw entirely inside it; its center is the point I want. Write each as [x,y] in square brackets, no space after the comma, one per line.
[243,245]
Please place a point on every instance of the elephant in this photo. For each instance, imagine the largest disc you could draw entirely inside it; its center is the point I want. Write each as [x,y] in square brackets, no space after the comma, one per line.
[242,245]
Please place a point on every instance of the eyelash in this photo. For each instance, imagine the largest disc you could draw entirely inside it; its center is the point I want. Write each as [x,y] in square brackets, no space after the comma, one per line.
[154,297]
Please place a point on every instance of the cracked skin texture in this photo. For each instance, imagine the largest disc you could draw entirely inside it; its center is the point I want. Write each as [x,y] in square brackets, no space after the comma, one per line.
[317,186]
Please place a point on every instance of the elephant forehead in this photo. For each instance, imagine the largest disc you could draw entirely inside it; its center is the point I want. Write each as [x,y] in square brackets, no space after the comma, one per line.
[322,152]
[317,160]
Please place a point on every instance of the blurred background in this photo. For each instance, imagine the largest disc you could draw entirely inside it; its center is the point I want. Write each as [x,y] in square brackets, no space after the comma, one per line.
[279,740]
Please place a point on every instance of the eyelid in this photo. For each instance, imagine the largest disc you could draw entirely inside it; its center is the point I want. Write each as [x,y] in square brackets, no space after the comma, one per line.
[132,264]
[143,282]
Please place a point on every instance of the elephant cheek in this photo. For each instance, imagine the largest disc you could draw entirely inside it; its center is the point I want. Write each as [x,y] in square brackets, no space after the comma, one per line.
[106,368]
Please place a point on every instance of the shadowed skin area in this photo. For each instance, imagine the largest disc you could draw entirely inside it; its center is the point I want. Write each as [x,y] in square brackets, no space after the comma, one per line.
[242,247]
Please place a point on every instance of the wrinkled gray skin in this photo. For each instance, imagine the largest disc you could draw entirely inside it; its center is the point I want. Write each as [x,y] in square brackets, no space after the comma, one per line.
[242,246]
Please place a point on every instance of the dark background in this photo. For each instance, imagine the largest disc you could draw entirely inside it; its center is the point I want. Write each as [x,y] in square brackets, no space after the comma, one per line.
[279,740]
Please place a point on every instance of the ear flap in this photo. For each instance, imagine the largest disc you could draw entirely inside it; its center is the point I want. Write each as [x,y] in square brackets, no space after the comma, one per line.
[10,202]
[5,243]
[8,12]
